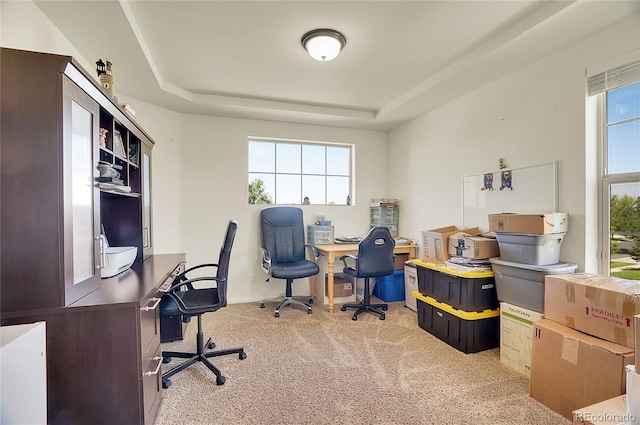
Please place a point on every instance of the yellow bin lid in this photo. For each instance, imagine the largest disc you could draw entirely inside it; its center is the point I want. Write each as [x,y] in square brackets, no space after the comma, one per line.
[466,315]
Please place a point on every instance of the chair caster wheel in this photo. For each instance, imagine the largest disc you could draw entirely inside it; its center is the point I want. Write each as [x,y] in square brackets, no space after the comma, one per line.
[261,305]
[354,318]
[242,355]
[166,383]
[309,311]
[211,345]
[382,317]
[310,300]
[220,380]
[276,314]
[166,360]
[385,308]
[343,308]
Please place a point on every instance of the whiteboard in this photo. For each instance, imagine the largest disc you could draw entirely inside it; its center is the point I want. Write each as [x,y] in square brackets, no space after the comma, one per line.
[526,190]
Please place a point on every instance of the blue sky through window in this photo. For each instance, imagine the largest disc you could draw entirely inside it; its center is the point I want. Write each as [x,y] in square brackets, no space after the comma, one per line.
[623,129]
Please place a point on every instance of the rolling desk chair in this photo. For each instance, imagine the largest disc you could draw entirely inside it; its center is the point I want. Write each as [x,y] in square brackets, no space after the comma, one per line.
[283,252]
[374,259]
[183,298]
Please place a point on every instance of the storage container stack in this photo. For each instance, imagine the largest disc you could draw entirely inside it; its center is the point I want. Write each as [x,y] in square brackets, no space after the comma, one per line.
[458,307]
[529,250]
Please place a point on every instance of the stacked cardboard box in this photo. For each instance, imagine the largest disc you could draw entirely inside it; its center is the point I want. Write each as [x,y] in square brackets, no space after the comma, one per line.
[583,346]
[516,336]
[624,409]
[435,242]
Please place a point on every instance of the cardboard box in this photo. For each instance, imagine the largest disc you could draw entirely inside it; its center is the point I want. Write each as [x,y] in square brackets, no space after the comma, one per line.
[399,260]
[636,326]
[435,242]
[474,247]
[597,305]
[633,395]
[606,412]
[516,336]
[570,369]
[342,285]
[537,224]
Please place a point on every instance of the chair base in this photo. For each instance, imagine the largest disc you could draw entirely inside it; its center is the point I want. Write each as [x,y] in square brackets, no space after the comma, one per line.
[378,309]
[199,356]
[285,300]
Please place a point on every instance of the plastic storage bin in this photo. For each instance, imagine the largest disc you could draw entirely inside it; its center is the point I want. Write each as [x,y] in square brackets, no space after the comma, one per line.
[319,235]
[410,285]
[468,291]
[523,284]
[539,250]
[390,288]
[468,332]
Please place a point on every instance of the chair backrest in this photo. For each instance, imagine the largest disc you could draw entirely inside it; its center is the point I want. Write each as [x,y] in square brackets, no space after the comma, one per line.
[223,262]
[375,253]
[282,233]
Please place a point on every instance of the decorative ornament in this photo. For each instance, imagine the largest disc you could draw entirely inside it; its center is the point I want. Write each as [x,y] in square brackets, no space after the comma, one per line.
[105,75]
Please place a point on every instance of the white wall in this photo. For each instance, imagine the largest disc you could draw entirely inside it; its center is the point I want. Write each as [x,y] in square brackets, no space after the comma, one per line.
[533,116]
[200,171]
[214,190]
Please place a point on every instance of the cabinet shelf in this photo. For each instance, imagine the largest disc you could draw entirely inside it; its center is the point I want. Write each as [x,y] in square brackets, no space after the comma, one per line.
[116,193]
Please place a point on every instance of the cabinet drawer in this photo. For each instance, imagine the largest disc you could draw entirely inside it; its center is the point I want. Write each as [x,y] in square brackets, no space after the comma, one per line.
[152,386]
[150,318]
[149,329]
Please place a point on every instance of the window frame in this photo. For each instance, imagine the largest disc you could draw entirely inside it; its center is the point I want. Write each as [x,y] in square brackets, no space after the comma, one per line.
[606,180]
[326,175]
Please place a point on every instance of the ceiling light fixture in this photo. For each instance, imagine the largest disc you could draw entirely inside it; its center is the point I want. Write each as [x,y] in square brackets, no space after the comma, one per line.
[323,44]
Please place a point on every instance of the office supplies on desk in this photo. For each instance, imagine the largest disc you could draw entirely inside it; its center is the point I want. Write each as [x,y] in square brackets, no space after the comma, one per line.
[348,239]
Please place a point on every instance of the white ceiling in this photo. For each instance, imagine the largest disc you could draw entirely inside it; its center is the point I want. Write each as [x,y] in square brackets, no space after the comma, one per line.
[245,58]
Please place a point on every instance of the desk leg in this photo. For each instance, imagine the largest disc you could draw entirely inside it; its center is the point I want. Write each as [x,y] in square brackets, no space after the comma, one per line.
[312,285]
[330,282]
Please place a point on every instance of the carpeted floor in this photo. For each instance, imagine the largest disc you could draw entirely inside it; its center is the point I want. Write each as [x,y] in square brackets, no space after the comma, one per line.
[325,368]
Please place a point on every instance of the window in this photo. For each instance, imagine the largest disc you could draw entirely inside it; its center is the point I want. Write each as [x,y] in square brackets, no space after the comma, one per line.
[290,172]
[619,94]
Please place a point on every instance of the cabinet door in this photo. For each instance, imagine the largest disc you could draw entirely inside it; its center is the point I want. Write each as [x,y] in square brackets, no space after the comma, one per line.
[147,238]
[81,204]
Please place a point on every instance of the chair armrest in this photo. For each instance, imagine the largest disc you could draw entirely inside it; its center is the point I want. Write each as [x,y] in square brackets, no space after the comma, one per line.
[185,279]
[171,293]
[314,251]
[352,257]
[265,261]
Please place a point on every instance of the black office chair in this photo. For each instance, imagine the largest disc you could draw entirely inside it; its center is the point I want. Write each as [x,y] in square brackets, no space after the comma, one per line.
[183,298]
[374,259]
[283,252]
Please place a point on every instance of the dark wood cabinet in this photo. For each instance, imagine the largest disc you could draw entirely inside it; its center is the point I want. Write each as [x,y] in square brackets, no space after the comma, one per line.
[103,335]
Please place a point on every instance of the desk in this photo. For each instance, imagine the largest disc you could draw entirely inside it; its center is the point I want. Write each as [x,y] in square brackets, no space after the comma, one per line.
[335,251]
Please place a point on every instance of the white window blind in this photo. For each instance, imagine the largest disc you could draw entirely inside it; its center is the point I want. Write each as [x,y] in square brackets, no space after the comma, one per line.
[619,76]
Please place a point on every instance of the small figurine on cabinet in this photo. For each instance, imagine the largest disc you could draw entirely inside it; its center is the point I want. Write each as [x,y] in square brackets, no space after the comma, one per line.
[103,137]
[105,75]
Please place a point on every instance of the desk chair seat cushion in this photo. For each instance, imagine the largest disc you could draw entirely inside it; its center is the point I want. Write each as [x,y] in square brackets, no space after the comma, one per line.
[294,270]
[192,299]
